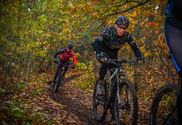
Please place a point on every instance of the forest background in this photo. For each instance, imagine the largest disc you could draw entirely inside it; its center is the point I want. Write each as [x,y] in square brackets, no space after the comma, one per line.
[31,31]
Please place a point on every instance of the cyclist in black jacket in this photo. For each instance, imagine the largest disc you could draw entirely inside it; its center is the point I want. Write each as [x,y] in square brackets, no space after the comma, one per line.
[173,35]
[110,41]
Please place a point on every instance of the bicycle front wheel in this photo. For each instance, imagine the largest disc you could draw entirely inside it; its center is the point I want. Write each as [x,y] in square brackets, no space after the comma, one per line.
[100,100]
[57,81]
[126,105]
[163,109]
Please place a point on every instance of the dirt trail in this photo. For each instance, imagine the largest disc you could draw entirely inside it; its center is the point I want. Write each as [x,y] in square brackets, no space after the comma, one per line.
[77,106]
[70,105]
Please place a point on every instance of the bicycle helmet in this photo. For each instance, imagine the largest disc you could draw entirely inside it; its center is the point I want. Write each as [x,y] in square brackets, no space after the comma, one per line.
[122,21]
[70,46]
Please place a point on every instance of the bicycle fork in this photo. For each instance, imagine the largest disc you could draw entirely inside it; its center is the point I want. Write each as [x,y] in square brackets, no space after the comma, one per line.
[118,95]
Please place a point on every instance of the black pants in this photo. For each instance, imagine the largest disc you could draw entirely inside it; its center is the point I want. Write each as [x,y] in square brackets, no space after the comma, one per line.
[174,41]
[104,68]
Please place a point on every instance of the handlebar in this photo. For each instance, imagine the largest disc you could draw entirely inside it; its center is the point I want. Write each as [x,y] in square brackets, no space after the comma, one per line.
[67,64]
[123,61]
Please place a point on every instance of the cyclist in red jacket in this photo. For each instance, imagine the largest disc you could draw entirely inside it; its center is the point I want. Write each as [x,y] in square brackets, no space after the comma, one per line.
[63,56]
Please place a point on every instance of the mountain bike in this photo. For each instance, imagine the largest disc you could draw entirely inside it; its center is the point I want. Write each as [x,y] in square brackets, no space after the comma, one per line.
[118,94]
[163,108]
[62,69]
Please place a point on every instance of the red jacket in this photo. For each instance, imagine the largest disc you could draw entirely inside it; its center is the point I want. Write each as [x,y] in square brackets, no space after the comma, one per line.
[67,55]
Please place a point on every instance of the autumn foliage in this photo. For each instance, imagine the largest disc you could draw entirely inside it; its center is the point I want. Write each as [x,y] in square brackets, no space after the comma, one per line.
[31,32]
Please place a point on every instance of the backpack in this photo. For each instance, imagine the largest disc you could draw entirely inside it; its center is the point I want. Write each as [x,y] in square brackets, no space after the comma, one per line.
[174,7]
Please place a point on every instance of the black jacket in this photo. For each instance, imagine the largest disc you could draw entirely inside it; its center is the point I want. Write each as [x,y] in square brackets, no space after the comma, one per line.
[109,43]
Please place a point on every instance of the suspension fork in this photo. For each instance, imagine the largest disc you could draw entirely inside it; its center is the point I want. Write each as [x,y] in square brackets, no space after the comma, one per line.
[126,94]
[117,89]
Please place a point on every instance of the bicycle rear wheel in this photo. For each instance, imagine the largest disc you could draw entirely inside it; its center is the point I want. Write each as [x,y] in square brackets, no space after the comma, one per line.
[126,106]
[100,100]
[163,109]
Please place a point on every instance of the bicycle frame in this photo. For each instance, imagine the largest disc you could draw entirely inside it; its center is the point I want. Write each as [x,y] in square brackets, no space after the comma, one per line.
[65,65]
[60,73]
[112,76]
[115,84]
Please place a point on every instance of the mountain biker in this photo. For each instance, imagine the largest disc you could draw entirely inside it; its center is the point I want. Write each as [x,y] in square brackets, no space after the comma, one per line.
[63,56]
[110,41]
[173,35]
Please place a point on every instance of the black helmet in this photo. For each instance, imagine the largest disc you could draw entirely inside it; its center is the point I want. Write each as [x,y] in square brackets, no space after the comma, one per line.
[70,46]
[122,21]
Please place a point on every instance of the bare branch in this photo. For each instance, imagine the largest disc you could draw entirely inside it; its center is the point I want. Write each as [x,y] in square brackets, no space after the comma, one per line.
[119,12]
[140,4]
[117,5]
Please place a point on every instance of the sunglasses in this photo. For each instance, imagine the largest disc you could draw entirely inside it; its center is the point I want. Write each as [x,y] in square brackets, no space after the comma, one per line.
[122,27]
